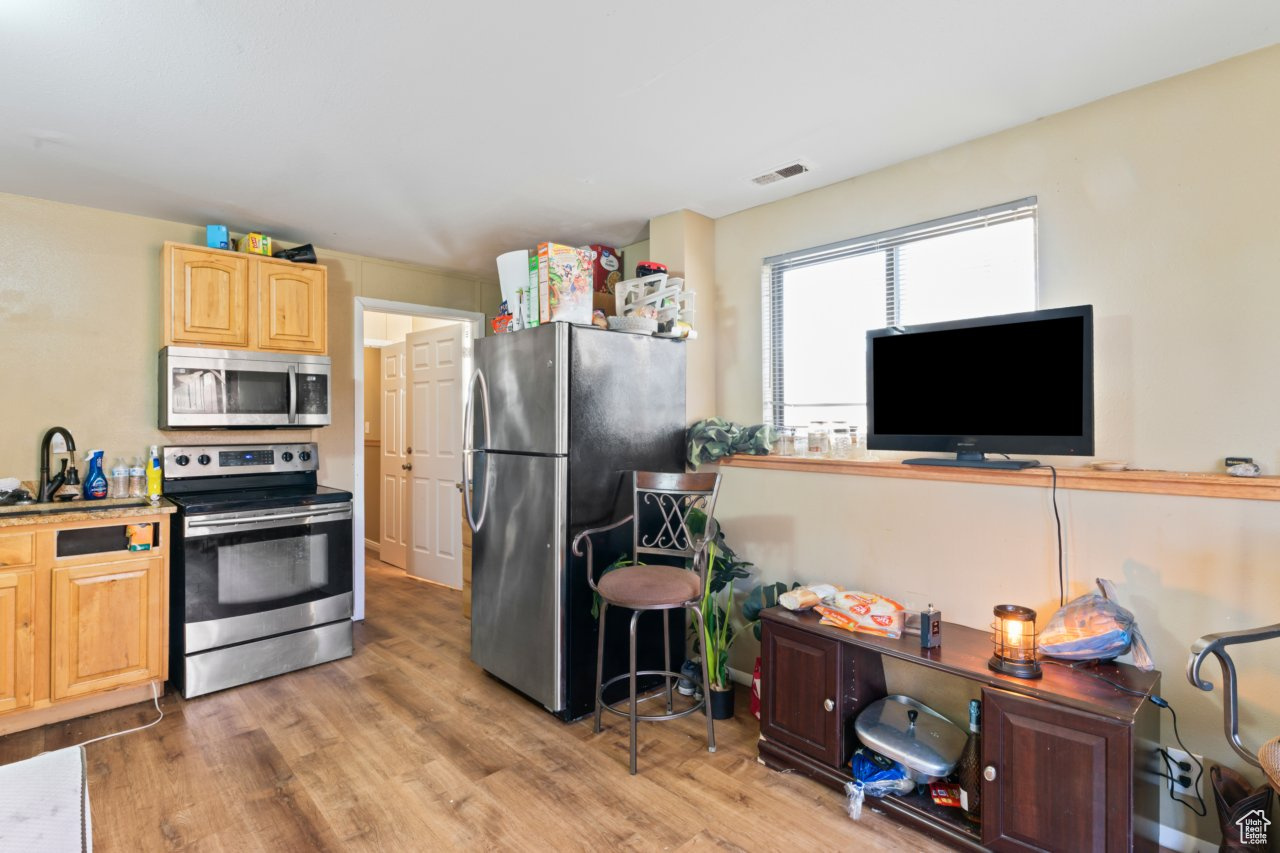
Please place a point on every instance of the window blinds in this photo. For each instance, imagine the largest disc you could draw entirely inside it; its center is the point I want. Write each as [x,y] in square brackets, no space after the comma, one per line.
[891,243]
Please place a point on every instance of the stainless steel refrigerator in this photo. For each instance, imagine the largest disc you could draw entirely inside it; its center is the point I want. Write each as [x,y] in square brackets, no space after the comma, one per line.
[557,417]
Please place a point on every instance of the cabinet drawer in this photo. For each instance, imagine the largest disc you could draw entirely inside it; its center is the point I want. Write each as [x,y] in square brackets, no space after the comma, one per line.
[17,549]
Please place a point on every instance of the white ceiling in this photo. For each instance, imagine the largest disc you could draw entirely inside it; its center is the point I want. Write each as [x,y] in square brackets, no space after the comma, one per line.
[447,133]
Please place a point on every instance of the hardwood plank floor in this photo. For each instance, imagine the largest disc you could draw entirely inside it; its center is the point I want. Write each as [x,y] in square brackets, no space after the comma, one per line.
[407,745]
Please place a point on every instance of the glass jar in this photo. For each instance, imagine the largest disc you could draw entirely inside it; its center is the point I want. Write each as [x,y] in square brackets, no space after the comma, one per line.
[819,438]
[841,445]
[786,443]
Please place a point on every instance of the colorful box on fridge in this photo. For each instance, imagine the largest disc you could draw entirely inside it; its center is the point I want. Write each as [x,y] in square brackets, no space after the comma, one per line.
[564,284]
[606,268]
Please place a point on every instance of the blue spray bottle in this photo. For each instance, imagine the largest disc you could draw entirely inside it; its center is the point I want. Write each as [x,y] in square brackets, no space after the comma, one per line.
[95,481]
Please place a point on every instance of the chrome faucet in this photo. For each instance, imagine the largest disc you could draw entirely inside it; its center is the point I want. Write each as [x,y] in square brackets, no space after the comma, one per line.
[48,486]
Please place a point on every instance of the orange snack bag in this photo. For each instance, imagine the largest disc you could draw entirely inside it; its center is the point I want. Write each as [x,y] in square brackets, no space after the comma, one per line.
[866,612]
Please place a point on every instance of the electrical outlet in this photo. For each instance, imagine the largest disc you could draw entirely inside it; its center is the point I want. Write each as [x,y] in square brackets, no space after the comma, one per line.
[1177,755]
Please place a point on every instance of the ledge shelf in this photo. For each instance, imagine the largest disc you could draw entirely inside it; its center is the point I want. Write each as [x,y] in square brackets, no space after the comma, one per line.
[1088,479]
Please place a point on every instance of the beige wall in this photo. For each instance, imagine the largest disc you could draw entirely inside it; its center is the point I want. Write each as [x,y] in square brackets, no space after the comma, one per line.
[685,242]
[1158,207]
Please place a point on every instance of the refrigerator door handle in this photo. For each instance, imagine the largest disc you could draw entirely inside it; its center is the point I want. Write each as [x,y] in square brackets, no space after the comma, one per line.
[478,383]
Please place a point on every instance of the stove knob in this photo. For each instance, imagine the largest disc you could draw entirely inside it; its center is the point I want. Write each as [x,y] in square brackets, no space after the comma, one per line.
[287,456]
[182,460]
[304,455]
[204,459]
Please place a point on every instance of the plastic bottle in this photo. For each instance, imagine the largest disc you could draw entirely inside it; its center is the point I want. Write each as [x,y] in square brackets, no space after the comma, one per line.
[119,479]
[154,475]
[95,482]
[138,478]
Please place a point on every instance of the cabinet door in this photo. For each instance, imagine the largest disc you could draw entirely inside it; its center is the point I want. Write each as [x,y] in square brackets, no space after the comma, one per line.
[1063,779]
[292,313]
[207,298]
[800,692]
[17,639]
[107,626]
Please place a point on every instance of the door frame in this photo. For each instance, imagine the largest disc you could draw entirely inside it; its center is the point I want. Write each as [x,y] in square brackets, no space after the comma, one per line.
[387,306]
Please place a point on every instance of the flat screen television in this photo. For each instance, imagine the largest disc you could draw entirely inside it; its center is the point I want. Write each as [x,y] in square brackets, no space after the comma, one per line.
[1013,383]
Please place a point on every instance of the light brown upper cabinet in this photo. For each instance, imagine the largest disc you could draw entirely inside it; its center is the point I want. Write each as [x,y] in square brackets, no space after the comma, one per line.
[291,307]
[206,297]
[230,300]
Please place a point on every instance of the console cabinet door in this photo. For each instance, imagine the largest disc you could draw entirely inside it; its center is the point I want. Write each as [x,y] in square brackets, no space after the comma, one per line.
[17,639]
[107,626]
[292,313]
[800,692]
[206,298]
[1063,778]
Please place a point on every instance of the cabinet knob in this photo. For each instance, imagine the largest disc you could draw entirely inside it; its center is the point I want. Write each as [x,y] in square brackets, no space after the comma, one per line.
[989,773]
[829,705]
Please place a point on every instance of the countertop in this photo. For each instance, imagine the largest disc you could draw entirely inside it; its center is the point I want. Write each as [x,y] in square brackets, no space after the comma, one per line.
[71,511]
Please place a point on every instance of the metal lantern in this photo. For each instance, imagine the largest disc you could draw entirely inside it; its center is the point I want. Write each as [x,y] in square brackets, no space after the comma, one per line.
[1013,637]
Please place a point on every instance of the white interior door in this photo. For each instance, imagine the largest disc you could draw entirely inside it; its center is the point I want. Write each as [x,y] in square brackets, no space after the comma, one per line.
[394,471]
[433,413]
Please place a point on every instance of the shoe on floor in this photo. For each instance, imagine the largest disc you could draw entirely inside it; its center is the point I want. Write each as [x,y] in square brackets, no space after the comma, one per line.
[690,675]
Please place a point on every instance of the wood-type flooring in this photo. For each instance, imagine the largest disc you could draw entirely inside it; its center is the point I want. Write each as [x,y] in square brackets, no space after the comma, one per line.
[408,745]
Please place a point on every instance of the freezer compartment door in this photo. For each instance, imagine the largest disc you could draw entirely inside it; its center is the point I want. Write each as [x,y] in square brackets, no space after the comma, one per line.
[526,377]
[518,578]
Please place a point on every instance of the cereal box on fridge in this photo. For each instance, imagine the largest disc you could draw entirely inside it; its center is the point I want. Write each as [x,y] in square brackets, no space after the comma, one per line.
[564,284]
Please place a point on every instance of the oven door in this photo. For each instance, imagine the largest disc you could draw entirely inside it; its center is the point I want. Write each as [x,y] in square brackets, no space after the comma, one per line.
[222,388]
[254,574]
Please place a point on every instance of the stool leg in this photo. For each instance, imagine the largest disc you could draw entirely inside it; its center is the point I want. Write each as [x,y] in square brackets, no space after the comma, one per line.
[635,616]
[706,680]
[666,651]
[600,663]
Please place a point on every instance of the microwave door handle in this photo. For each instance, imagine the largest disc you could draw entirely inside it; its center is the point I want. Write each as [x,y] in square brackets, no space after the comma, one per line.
[293,394]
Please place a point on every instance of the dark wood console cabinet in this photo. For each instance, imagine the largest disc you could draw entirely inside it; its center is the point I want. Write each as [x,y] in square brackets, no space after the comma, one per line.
[1068,758]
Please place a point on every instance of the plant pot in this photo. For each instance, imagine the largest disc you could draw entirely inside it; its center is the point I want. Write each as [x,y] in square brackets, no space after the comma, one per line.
[721,702]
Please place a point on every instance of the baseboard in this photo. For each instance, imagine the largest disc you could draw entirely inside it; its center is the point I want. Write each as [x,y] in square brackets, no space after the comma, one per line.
[372,545]
[1182,842]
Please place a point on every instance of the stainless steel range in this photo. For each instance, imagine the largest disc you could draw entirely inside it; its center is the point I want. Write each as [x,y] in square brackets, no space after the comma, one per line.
[260,565]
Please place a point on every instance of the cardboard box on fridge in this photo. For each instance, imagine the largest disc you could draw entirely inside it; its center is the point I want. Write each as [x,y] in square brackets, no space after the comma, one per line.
[564,284]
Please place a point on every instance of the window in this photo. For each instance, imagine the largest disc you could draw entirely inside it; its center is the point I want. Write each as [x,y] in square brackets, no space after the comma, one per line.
[819,303]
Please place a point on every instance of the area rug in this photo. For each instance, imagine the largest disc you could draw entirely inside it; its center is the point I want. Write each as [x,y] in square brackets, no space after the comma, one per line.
[44,803]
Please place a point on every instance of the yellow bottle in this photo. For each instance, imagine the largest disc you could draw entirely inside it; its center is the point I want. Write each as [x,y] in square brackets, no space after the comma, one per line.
[154,475]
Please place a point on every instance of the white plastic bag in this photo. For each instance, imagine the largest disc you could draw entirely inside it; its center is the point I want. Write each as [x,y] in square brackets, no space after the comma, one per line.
[1093,627]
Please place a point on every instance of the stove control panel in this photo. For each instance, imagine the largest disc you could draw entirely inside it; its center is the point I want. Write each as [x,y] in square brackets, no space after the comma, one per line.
[213,460]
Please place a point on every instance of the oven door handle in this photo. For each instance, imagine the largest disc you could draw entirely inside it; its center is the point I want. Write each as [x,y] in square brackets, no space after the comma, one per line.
[198,527]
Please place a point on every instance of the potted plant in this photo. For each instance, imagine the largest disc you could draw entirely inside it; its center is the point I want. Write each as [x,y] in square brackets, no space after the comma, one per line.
[723,568]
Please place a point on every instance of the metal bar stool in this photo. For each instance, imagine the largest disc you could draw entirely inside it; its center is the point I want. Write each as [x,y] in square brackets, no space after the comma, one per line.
[667,500]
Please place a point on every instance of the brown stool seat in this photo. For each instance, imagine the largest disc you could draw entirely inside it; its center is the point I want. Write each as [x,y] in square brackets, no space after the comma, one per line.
[650,586]
[1269,758]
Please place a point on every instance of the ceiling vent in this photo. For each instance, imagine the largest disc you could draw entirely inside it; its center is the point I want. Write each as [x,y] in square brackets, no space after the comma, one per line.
[779,174]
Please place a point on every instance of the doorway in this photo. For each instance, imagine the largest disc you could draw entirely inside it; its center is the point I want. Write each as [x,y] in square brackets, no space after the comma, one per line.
[408,425]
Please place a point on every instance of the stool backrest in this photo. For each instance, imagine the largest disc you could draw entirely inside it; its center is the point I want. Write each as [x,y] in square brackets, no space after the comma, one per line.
[667,501]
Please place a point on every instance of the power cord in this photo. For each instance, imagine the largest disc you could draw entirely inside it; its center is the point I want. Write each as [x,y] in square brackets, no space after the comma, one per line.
[1057,519]
[1170,764]
[155,699]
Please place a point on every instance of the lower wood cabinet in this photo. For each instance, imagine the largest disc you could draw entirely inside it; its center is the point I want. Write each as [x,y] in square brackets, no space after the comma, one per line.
[83,620]
[1067,759]
[106,626]
[17,639]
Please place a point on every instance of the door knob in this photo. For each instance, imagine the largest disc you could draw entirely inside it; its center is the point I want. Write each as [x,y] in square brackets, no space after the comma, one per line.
[829,705]
[989,773]
[408,450]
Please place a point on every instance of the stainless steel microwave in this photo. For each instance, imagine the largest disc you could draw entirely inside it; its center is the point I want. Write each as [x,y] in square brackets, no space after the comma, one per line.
[239,389]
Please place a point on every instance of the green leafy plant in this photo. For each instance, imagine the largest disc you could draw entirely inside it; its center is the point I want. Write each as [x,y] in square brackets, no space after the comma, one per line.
[723,568]
[765,595]
[715,438]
